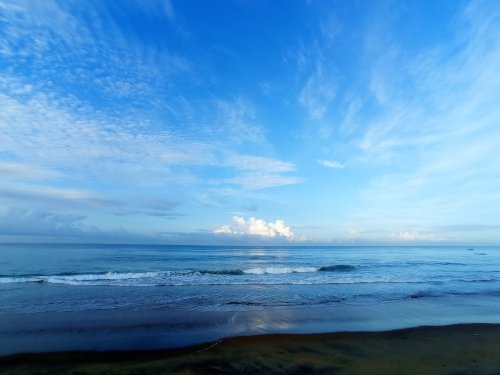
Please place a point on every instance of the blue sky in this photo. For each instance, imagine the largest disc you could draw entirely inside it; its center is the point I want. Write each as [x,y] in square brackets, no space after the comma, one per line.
[250,122]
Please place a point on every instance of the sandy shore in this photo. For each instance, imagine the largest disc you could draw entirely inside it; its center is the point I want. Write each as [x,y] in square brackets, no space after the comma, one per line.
[456,349]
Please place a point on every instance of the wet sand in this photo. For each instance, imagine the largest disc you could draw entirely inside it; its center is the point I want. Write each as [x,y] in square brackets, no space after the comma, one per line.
[454,350]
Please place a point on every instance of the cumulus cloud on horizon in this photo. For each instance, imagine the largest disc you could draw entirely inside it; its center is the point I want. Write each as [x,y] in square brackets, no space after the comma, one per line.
[256,227]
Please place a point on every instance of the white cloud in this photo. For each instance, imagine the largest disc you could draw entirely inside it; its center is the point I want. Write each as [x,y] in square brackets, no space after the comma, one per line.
[257,227]
[331,164]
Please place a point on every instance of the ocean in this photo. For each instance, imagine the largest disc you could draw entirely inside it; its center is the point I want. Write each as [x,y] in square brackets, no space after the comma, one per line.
[102,297]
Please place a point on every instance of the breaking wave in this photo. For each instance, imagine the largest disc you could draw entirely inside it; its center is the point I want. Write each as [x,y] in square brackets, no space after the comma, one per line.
[184,277]
[275,275]
[282,270]
[73,278]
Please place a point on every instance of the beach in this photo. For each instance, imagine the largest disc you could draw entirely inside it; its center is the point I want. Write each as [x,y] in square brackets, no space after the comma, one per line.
[454,349]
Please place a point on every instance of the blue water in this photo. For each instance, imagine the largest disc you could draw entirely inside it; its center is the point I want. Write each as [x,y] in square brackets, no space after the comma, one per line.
[202,292]
[83,277]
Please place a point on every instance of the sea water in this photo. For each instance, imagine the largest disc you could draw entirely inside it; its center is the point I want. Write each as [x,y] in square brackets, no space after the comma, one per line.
[55,297]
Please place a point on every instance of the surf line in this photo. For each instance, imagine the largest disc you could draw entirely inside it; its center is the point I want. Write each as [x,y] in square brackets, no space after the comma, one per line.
[231,324]
[210,347]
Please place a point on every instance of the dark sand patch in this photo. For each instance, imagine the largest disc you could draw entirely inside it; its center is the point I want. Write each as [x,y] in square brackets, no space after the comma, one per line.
[450,350]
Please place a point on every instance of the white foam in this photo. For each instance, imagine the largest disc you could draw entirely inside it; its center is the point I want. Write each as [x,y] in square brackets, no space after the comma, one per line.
[100,277]
[80,279]
[9,280]
[279,270]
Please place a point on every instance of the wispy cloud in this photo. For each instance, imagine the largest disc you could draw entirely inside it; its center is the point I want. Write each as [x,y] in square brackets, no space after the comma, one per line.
[33,225]
[154,8]
[236,122]
[75,145]
[26,171]
[42,223]
[62,45]
[120,109]
[251,172]
[259,163]
[467,228]
[46,132]
[334,164]
[415,236]
[34,195]
[318,91]
[442,134]
[257,181]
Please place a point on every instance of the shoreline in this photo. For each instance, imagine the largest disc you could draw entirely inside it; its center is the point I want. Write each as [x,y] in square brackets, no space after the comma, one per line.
[447,349]
[127,329]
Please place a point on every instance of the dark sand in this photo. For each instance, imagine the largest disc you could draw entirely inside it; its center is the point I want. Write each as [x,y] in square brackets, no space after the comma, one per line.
[456,349]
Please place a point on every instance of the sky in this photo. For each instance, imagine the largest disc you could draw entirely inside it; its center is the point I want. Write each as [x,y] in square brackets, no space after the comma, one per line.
[250,122]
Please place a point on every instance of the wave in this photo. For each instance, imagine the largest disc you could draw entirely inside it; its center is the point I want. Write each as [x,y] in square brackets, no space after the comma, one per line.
[337,267]
[281,270]
[423,294]
[151,276]
[72,276]
[333,274]
[223,272]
